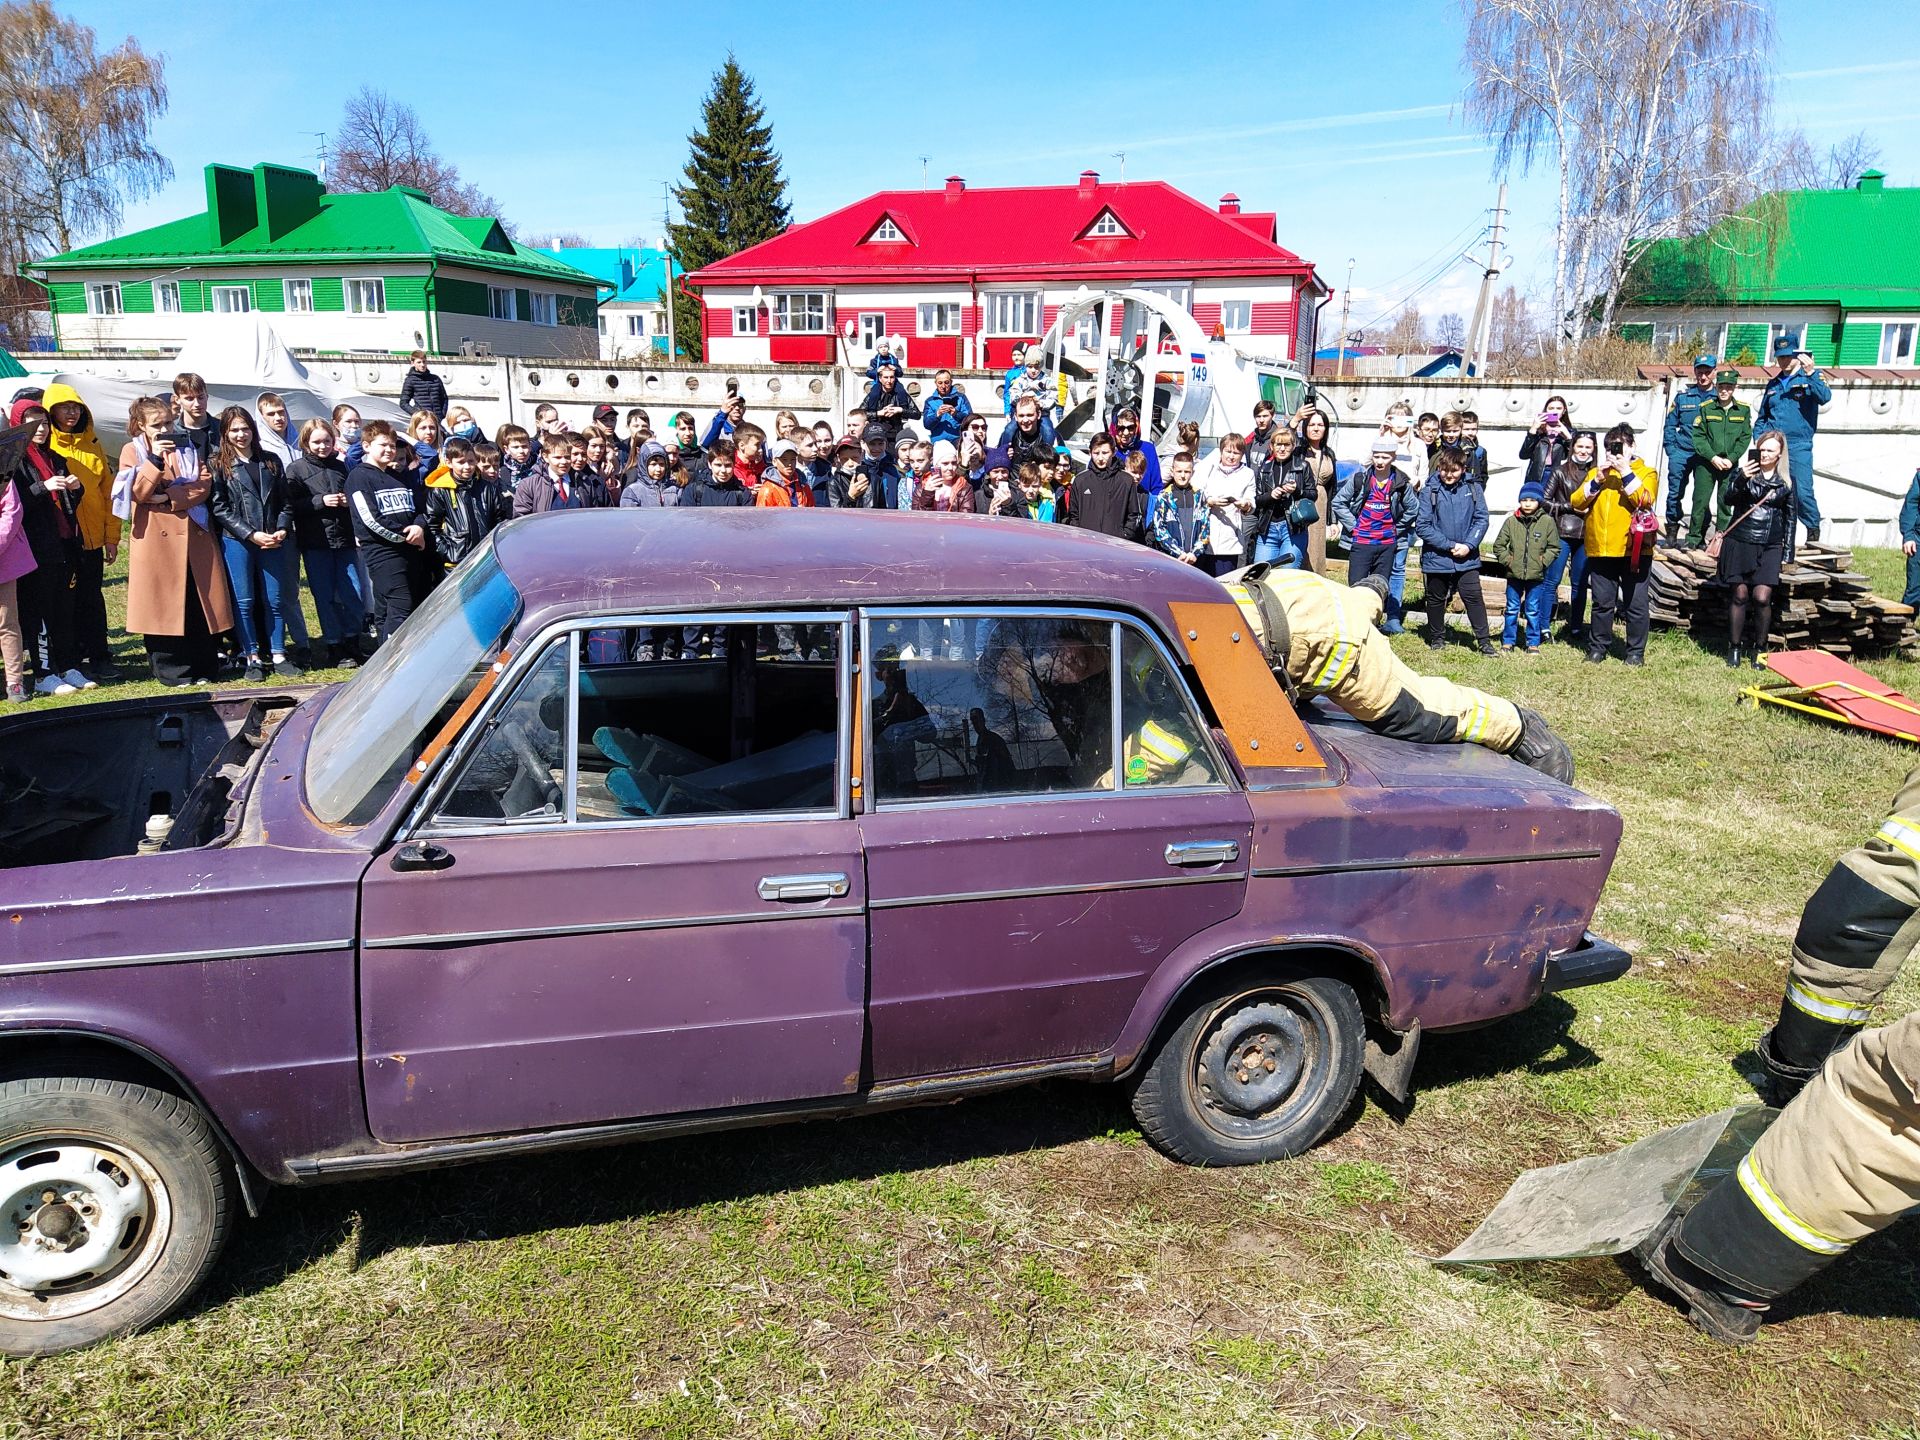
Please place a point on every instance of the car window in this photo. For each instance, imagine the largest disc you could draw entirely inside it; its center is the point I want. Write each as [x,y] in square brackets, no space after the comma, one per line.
[971,705]
[678,721]
[1163,742]
[518,771]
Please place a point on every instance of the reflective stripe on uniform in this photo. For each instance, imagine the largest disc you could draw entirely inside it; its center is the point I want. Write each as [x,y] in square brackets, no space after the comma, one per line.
[1903,837]
[1825,1007]
[1477,718]
[1780,1217]
[1163,745]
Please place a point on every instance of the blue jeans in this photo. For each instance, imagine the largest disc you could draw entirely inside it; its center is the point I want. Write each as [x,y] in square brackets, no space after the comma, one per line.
[260,578]
[1397,585]
[1543,598]
[334,578]
[1523,599]
[1281,544]
[1800,466]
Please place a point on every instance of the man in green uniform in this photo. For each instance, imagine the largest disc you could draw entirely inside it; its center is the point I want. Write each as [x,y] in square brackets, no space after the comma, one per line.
[1722,430]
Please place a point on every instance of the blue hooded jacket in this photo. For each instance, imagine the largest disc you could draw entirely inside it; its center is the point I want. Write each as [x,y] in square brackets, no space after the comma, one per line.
[1450,515]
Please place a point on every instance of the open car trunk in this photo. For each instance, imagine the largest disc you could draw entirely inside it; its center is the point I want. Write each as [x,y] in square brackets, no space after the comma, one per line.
[81,782]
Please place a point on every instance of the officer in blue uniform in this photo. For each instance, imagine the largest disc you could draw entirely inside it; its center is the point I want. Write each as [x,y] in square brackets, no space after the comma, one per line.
[1679,439]
[1791,405]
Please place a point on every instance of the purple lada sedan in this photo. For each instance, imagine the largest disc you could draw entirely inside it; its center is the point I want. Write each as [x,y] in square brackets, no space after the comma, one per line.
[658,821]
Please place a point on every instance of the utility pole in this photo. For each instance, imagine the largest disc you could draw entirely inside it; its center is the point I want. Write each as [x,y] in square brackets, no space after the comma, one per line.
[320,153]
[923,171]
[1475,359]
[666,219]
[1346,305]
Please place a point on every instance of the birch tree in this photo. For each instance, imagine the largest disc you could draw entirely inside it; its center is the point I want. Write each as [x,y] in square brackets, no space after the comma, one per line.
[1653,114]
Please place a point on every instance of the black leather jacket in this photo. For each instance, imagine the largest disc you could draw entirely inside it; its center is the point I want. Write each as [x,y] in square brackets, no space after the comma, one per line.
[252,497]
[320,526]
[1772,522]
[1295,481]
[461,516]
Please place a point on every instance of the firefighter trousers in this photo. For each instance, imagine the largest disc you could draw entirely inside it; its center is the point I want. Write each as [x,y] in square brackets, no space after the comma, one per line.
[1841,1163]
[1335,649]
[1855,932]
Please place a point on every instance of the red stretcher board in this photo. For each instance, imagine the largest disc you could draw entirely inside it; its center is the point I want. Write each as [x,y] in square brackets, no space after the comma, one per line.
[1825,686]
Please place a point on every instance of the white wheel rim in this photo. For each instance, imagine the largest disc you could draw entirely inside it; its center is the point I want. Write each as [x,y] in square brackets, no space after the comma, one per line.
[81,1224]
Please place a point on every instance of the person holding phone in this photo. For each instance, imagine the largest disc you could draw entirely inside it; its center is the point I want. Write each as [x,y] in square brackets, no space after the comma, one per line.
[177,595]
[947,410]
[252,508]
[1621,485]
[1756,519]
[1548,440]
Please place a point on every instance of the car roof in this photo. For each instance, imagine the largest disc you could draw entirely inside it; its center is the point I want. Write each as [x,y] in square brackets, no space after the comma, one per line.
[602,561]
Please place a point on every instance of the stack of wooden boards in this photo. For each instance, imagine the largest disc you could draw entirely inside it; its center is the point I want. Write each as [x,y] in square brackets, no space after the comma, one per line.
[1822,603]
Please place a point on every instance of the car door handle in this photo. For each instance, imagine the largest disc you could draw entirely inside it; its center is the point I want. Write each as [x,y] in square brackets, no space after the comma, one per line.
[1203,852]
[803,887]
[421,855]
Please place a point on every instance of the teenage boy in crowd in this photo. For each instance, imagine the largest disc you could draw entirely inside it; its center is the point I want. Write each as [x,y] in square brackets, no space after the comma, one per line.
[462,508]
[547,426]
[1452,523]
[1179,513]
[724,421]
[785,485]
[849,485]
[877,485]
[196,421]
[422,389]
[391,525]
[1471,450]
[276,430]
[554,485]
[1375,508]
[686,446]
[1105,497]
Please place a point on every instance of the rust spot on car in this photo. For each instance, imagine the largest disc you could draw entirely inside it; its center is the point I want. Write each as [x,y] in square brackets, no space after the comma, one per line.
[410,1079]
[16,918]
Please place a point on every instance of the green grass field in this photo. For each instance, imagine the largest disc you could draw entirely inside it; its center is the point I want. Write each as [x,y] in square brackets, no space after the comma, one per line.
[1025,1265]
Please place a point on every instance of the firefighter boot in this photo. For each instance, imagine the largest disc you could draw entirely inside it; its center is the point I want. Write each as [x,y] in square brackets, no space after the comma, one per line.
[1793,1051]
[1728,1317]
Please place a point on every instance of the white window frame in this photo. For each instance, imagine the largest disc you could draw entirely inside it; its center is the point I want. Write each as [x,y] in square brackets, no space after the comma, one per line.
[746,320]
[297,296]
[221,298]
[637,325]
[1086,333]
[1900,357]
[1106,227]
[502,302]
[1245,324]
[886,233]
[544,307]
[366,295]
[103,298]
[166,297]
[932,318]
[809,307]
[1011,312]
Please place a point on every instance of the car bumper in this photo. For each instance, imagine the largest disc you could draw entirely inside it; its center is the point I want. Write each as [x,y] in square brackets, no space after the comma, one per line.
[1592,962]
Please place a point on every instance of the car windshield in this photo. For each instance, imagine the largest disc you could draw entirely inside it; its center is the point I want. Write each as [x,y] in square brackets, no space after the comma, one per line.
[376,726]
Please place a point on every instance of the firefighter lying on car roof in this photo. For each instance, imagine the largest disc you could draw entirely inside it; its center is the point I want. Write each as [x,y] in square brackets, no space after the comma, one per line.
[1323,639]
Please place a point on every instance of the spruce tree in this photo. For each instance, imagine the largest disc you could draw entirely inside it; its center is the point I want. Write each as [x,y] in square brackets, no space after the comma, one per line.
[734,194]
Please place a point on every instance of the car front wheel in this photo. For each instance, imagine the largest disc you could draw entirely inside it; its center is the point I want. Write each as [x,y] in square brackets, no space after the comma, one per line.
[114,1203]
[1257,1072]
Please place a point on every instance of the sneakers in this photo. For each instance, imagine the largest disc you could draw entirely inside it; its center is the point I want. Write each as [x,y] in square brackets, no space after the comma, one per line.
[54,685]
[79,681]
[1712,1310]
[285,667]
[18,694]
[253,673]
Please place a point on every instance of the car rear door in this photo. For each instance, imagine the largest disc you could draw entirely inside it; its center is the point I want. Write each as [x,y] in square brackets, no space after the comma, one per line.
[1020,896]
[578,929]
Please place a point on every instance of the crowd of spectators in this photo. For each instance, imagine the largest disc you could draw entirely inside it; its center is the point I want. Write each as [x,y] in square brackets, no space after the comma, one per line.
[220,512]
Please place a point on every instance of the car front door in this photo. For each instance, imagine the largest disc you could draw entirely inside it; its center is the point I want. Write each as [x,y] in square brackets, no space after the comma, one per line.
[1022,887]
[638,892]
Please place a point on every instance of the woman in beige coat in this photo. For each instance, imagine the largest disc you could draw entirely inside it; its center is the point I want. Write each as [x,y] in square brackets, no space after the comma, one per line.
[177,593]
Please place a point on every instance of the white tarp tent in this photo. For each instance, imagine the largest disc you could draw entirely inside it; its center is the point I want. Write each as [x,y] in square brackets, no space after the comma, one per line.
[239,356]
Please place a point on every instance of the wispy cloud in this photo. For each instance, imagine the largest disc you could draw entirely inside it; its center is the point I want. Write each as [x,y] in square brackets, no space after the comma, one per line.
[1879,67]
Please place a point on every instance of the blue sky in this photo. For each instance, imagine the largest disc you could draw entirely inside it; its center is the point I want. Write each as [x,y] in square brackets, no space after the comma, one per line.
[1343,118]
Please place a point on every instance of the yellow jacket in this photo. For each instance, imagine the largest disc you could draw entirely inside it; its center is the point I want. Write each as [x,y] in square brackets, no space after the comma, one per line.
[1608,502]
[88,463]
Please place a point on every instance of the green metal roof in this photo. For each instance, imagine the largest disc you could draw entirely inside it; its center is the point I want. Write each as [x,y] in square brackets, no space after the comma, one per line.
[1858,249]
[275,214]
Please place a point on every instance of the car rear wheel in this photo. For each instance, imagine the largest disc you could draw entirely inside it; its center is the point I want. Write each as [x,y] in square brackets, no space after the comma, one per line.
[114,1203]
[1259,1071]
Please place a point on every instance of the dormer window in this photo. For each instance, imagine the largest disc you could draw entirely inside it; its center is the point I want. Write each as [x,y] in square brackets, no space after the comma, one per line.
[1107,226]
[887,233]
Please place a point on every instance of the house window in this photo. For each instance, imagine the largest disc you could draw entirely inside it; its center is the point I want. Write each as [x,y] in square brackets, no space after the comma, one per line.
[231,299]
[501,302]
[1236,317]
[299,295]
[545,309]
[1896,342]
[637,325]
[1013,313]
[601,325]
[1107,225]
[103,297]
[887,234]
[942,318]
[1689,335]
[746,320]
[166,297]
[799,312]
[1086,332]
[367,297]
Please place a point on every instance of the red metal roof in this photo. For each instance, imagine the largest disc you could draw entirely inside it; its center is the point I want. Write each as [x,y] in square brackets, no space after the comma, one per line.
[1019,233]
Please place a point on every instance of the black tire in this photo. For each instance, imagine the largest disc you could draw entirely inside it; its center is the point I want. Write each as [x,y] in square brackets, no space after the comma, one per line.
[152,1166]
[1199,1099]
